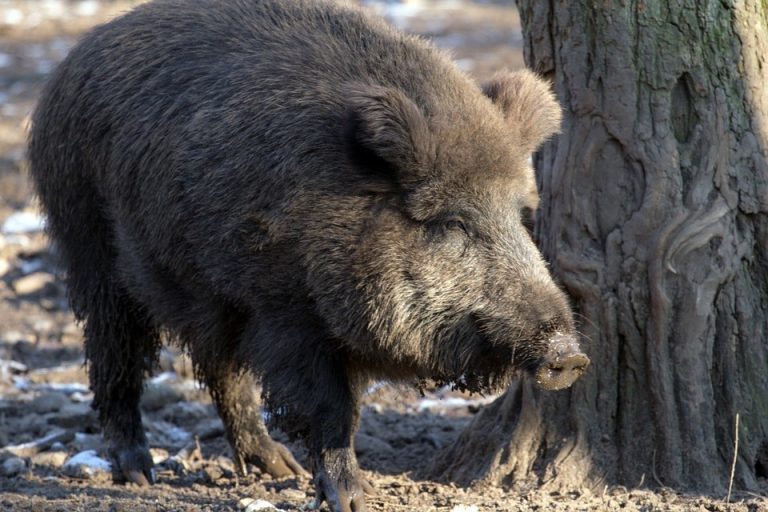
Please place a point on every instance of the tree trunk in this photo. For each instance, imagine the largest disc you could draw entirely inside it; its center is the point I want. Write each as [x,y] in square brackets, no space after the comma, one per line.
[655,219]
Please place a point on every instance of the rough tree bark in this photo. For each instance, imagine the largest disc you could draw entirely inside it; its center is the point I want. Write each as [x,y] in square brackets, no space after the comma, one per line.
[655,219]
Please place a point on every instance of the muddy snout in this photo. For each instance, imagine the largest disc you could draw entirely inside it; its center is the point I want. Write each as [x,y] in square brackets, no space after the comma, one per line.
[563,364]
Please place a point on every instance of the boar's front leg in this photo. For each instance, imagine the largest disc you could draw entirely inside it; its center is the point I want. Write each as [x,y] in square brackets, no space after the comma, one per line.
[332,429]
[312,395]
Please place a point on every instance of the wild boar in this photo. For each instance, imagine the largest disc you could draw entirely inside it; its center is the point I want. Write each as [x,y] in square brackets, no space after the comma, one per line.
[302,197]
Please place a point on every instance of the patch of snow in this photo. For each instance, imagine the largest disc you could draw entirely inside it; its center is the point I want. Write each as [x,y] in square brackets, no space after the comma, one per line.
[69,388]
[80,397]
[252,505]
[426,404]
[13,16]
[87,8]
[23,222]
[54,8]
[375,387]
[171,433]
[9,366]
[399,13]
[163,377]
[88,462]
[189,385]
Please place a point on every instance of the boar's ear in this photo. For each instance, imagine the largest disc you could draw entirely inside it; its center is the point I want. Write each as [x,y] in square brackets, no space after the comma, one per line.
[386,131]
[528,105]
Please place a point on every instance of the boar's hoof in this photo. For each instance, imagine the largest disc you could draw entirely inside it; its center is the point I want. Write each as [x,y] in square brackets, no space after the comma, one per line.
[562,365]
[342,495]
[273,458]
[134,464]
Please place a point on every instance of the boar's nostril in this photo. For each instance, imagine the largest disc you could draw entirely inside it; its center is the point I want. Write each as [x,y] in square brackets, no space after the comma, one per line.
[561,370]
[572,363]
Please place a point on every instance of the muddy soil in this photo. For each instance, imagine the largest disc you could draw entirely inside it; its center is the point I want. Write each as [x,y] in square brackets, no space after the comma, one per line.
[51,453]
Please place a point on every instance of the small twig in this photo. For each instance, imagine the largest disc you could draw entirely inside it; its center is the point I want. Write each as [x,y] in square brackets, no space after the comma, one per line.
[653,470]
[39,445]
[735,456]
[642,480]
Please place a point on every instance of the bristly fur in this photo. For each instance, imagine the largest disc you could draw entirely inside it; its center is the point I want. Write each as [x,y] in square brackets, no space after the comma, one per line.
[295,190]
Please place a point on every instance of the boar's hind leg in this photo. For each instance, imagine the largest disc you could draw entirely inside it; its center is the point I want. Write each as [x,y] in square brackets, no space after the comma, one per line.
[120,347]
[235,396]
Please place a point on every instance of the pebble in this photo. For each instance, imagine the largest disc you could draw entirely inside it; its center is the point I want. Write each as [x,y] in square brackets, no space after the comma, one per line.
[293,494]
[365,444]
[221,467]
[158,455]
[226,464]
[13,337]
[166,434]
[42,325]
[54,459]
[73,415]
[252,505]
[32,283]
[159,394]
[14,466]
[213,473]
[48,402]
[87,465]
[87,442]
[30,266]
[5,266]
[210,428]
[191,412]
[17,240]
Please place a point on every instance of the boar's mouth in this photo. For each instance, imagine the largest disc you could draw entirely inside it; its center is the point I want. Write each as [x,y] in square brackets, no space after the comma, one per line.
[476,362]
[489,365]
[493,364]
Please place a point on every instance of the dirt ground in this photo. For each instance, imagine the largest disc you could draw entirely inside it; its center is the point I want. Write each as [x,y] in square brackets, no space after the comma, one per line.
[45,415]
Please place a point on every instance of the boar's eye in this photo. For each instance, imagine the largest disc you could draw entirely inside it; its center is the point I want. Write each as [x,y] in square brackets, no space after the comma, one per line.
[442,228]
[454,224]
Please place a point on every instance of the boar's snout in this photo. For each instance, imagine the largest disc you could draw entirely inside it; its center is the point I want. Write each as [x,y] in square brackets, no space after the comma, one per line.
[562,365]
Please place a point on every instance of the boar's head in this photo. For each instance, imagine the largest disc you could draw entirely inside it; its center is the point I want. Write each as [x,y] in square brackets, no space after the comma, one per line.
[449,280]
